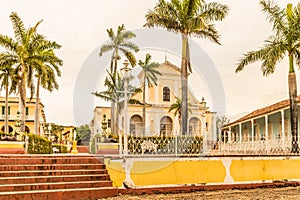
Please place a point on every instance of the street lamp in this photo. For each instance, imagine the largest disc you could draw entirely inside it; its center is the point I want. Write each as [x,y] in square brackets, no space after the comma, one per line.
[18,124]
[125,71]
[49,131]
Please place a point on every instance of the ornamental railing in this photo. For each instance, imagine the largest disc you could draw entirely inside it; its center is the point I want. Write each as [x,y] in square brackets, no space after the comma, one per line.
[261,147]
[168,145]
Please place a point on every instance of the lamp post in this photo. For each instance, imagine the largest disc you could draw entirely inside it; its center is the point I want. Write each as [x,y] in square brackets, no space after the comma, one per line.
[204,108]
[104,127]
[74,143]
[49,131]
[125,70]
[18,124]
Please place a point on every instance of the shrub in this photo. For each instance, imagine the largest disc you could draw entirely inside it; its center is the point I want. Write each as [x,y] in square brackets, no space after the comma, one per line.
[38,144]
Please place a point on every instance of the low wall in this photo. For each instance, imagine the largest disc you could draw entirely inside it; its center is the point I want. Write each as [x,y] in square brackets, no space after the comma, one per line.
[224,170]
[12,147]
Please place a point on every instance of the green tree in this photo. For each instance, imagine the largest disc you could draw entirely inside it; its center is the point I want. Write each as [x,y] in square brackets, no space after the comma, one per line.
[6,79]
[150,72]
[284,41]
[113,93]
[46,71]
[119,42]
[189,18]
[21,54]
[83,133]
[176,107]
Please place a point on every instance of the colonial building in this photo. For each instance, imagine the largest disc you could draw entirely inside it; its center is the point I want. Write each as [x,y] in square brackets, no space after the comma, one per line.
[268,123]
[159,121]
[13,108]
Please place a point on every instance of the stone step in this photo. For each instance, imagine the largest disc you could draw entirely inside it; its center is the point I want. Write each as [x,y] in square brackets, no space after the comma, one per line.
[62,194]
[51,179]
[51,167]
[51,172]
[25,161]
[53,186]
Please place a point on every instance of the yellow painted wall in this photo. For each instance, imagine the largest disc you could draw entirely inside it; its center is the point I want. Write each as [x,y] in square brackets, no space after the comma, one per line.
[14,108]
[198,171]
[251,170]
[178,172]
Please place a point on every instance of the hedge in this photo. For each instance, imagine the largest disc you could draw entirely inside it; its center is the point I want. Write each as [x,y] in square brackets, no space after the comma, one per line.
[38,144]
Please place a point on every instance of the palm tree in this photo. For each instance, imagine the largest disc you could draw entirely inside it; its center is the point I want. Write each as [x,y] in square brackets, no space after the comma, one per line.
[20,53]
[177,108]
[46,72]
[6,76]
[111,95]
[189,18]
[284,41]
[149,71]
[119,42]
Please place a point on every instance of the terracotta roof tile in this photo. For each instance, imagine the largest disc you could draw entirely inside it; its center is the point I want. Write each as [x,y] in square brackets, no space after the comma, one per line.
[263,111]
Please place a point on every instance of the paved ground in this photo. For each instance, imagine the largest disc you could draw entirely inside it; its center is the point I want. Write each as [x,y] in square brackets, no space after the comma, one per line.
[286,193]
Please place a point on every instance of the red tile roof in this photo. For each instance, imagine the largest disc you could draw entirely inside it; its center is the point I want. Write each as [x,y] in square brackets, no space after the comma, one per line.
[263,111]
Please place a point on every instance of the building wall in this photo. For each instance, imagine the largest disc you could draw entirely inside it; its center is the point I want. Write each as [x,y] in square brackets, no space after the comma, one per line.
[157,108]
[14,108]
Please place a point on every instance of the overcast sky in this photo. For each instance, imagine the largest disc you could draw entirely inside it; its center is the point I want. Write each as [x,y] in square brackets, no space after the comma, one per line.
[80,27]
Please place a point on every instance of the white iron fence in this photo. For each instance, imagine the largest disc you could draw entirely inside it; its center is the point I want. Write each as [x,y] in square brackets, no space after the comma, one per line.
[196,146]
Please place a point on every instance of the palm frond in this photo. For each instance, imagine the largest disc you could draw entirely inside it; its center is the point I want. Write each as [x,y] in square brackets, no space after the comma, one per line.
[19,28]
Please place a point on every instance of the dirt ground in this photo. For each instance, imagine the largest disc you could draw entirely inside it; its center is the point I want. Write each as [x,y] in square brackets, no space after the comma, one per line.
[285,193]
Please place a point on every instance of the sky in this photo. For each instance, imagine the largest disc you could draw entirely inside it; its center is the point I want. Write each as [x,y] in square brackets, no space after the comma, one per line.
[80,27]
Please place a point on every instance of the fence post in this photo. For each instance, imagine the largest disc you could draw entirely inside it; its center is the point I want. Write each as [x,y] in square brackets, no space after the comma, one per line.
[120,145]
[176,143]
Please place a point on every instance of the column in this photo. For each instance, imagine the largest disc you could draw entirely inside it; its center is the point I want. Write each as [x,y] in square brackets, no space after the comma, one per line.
[240,132]
[266,132]
[252,134]
[229,135]
[282,129]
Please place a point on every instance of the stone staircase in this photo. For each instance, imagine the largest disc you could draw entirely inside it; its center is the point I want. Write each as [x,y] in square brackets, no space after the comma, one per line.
[54,177]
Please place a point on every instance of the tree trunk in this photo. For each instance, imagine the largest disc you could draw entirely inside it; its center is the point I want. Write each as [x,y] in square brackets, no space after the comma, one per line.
[22,101]
[37,108]
[293,111]
[113,117]
[117,117]
[6,109]
[292,82]
[144,105]
[184,86]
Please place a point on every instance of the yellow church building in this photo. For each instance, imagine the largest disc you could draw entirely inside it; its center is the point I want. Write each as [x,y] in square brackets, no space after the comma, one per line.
[13,108]
[160,122]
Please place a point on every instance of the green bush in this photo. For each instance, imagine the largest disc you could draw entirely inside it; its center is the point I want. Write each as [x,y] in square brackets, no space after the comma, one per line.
[92,143]
[62,148]
[38,144]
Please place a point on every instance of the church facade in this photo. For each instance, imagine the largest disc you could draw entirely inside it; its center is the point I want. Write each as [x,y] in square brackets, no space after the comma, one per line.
[160,122]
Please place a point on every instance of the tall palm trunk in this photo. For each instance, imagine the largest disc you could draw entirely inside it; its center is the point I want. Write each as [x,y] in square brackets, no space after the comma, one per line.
[22,102]
[112,118]
[292,82]
[6,109]
[144,105]
[184,85]
[117,116]
[37,108]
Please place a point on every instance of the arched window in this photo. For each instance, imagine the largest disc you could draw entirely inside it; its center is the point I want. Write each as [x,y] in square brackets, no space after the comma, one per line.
[166,94]
[194,126]
[136,125]
[166,126]
[10,129]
